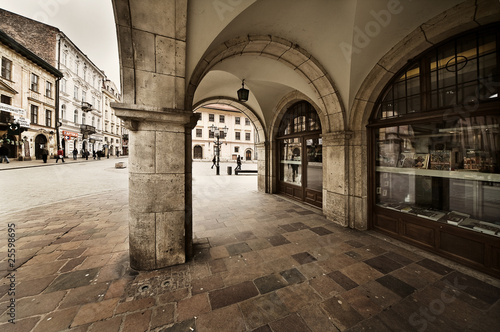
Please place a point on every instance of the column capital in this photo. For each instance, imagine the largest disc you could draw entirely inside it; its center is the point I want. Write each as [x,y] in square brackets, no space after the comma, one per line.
[134,114]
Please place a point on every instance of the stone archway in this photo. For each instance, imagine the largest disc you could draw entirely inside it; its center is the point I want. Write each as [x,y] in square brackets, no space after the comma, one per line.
[327,98]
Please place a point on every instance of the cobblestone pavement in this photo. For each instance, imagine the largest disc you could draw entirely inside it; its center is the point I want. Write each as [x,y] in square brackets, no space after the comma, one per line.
[262,263]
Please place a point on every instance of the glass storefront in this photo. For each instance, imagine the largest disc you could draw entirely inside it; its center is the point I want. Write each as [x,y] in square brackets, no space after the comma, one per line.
[435,161]
[300,154]
[442,171]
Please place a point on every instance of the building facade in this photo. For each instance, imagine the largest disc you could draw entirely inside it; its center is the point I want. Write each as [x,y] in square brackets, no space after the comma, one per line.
[113,129]
[81,123]
[79,113]
[28,101]
[239,140]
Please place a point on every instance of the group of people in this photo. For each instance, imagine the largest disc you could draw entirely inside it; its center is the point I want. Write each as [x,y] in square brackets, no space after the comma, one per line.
[238,162]
[4,152]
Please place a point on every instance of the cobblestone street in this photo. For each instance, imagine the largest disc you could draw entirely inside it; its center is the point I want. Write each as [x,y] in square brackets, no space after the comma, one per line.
[262,263]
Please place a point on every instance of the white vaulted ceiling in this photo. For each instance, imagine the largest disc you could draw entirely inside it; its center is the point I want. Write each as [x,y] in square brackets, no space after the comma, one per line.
[323,28]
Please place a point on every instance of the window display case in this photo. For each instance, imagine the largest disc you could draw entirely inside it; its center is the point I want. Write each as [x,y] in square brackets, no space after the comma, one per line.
[441,170]
[435,152]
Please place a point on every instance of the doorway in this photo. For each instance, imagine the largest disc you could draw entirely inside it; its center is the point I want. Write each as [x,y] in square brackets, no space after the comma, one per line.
[40,143]
[198,152]
[300,155]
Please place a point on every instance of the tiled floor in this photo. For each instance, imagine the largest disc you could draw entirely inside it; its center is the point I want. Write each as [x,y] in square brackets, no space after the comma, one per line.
[262,263]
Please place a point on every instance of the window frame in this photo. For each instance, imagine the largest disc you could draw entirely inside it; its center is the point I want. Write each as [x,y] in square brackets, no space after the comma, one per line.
[34,82]
[6,69]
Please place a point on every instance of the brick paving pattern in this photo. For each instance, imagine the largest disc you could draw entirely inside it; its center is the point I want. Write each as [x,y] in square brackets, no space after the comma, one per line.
[262,263]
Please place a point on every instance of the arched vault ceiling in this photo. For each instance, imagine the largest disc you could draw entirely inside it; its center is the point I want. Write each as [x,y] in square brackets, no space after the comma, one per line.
[268,81]
[324,28]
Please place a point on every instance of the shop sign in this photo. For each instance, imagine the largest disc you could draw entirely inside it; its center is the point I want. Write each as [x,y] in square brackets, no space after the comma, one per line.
[69,134]
[22,121]
[11,109]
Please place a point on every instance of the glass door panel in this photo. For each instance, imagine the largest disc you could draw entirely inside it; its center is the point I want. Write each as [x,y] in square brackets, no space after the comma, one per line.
[291,161]
[314,163]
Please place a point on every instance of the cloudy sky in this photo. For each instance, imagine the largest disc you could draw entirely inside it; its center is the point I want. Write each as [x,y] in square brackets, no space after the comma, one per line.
[88,23]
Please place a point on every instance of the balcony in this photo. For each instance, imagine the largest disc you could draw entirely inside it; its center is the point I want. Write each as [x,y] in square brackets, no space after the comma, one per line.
[86,107]
[86,129]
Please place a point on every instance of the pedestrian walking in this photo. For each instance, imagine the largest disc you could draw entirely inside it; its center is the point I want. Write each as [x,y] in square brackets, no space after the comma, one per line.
[94,154]
[117,153]
[60,154]
[45,154]
[99,153]
[4,151]
[213,162]
[238,163]
[86,152]
[75,154]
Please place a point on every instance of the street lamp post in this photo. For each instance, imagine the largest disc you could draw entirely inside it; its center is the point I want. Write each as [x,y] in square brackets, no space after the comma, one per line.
[217,143]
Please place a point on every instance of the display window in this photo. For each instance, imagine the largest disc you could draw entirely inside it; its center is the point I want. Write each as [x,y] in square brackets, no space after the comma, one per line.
[442,171]
[435,151]
[300,154]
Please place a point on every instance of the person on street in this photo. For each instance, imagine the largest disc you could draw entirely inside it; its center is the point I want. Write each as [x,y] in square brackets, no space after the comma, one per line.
[75,154]
[213,162]
[4,151]
[238,163]
[94,154]
[45,154]
[60,154]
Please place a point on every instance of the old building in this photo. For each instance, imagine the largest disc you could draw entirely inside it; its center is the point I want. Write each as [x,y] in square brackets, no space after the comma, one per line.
[78,114]
[113,129]
[236,133]
[28,101]
[390,102]
[80,99]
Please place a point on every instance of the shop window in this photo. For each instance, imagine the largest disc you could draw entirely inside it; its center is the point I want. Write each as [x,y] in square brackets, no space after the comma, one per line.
[436,148]
[300,154]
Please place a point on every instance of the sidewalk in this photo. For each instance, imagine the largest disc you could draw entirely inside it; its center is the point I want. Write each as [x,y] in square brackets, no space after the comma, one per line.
[16,164]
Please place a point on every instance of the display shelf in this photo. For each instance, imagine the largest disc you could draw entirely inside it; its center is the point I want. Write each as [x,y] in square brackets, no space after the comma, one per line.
[460,174]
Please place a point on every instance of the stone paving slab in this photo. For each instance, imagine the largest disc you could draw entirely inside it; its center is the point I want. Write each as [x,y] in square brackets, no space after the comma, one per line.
[253,270]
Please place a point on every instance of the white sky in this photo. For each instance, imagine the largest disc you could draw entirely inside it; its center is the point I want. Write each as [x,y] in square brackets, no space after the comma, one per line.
[90,24]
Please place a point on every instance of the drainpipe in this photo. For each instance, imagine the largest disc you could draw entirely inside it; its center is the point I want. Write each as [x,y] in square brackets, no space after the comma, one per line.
[58,140]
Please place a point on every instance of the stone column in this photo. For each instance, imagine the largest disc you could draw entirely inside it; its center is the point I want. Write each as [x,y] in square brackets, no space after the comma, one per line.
[262,167]
[336,176]
[159,185]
